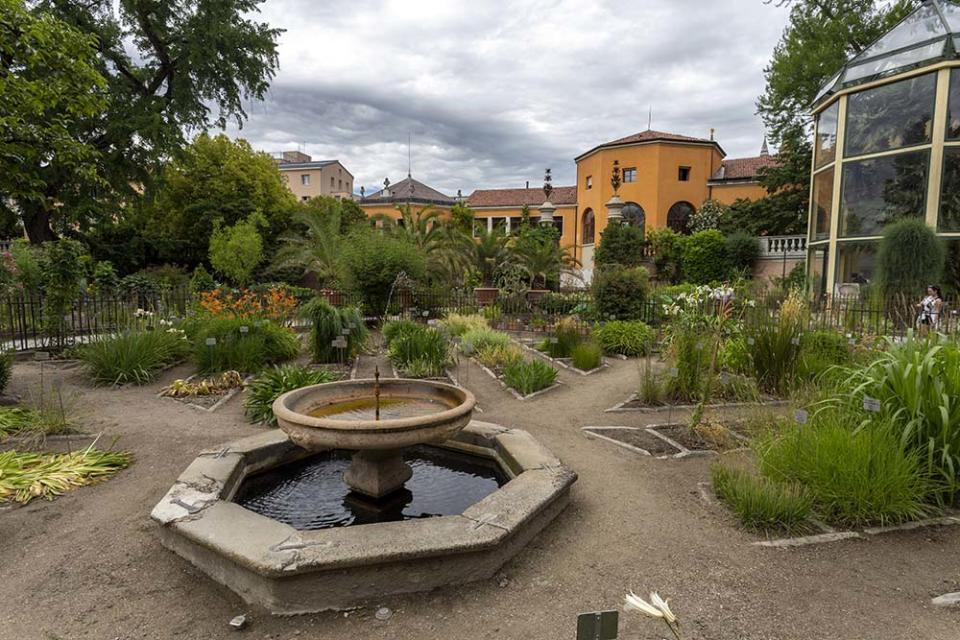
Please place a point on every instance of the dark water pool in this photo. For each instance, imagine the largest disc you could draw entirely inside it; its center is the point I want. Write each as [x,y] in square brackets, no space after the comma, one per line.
[311,494]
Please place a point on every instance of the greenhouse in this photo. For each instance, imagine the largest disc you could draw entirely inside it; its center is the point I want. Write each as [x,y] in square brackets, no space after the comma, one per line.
[887,146]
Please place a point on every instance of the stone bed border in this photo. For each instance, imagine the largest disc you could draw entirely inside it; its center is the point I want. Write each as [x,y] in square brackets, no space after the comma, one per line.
[682,451]
[827,533]
[562,362]
[291,572]
[621,407]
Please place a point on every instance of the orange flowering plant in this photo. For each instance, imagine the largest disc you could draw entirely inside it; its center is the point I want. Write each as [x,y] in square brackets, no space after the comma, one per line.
[275,304]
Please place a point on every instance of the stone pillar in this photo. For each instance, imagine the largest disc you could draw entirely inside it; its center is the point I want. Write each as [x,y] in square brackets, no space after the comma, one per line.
[615,210]
[546,213]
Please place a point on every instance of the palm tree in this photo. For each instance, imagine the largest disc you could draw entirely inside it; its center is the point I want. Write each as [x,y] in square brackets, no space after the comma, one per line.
[544,261]
[316,246]
[448,250]
[491,252]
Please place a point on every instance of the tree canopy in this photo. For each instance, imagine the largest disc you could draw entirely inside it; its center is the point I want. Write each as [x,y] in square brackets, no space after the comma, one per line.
[166,68]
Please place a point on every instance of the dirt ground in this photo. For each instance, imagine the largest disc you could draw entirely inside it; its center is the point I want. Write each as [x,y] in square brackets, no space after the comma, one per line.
[89,564]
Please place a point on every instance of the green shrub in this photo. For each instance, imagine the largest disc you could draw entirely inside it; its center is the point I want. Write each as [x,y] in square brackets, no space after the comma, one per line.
[620,293]
[820,350]
[760,503]
[273,383]
[918,385]
[529,376]
[705,257]
[743,250]
[237,349]
[135,357]
[6,368]
[625,337]
[735,355]
[327,324]
[422,352]
[856,476]
[562,303]
[910,257]
[374,260]
[587,356]
[201,280]
[621,245]
[668,250]
[457,324]
[476,340]
[690,353]
[566,336]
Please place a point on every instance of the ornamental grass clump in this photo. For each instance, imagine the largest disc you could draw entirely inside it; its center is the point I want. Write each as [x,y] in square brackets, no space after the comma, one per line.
[760,503]
[457,324]
[566,336]
[132,358]
[235,344]
[587,356]
[274,382]
[632,338]
[329,323]
[423,352]
[476,340]
[529,376]
[498,357]
[25,476]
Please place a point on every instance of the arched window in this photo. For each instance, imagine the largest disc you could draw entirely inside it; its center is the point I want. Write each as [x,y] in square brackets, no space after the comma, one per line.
[634,216]
[678,217]
[589,227]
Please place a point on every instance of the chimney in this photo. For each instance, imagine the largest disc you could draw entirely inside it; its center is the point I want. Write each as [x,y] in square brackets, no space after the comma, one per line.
[528,184]
[712,131]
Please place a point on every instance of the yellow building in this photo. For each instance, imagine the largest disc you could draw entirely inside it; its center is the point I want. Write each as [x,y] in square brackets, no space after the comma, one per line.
[665,178]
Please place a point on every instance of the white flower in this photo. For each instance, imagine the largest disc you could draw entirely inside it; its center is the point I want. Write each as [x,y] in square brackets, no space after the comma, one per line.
[139,313]
[662,605]
[634,602]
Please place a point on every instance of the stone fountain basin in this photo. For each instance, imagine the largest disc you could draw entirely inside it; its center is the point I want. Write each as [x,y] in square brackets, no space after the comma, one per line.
[318,434]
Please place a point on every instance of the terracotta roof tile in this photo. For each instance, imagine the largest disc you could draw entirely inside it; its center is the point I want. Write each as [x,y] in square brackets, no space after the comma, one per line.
[649,135]
[520,197]
[400,191]
[743,168]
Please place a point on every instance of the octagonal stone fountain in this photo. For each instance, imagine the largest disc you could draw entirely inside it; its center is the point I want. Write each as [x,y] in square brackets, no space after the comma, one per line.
[369,488]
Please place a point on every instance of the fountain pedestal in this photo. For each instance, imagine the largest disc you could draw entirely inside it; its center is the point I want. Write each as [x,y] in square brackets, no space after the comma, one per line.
[377,473]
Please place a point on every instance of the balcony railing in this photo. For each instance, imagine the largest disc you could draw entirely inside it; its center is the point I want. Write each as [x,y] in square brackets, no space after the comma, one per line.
[782,247]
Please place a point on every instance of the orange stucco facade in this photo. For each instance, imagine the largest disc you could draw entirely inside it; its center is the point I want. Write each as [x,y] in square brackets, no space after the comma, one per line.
[730,193]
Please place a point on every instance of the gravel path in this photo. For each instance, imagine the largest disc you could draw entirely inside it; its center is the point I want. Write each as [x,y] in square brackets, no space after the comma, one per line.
[89,565]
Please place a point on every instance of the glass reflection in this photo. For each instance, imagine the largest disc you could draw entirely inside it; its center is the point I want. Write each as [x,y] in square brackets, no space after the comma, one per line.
[890,116]
[950,191]
[827,135]
[822,204]
[878,191]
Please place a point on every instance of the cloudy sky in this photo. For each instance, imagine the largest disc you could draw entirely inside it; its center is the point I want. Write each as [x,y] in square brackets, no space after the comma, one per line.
[491,92]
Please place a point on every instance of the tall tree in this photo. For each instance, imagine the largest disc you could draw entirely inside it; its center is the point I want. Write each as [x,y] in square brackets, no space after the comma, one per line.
[49,86]
[216,179]
[171,67]
[820,37]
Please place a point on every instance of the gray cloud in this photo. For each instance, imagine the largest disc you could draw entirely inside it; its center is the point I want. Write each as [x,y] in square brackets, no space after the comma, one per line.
[491,92]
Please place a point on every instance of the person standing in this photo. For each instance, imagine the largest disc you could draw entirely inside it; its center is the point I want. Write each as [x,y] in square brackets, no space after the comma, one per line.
[931,307]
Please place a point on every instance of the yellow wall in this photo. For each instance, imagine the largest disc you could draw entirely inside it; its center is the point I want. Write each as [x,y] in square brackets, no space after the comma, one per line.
[730,193]
[657,187]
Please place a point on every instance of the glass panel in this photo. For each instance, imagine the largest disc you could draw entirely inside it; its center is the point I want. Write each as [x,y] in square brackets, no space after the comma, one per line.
[878,191]
[895,61]
[950,191]
[953,105]
[634,215]
[827,88]
[818,271]
[827,135]
[678,217]
[856,265]
[952,13]
[890,116]
[822,204]
[922,24]
[951,274]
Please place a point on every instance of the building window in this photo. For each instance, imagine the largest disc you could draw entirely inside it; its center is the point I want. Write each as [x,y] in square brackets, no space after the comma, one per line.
[630,174]
[826,142]
[822,204]
[331,182]
[589,231]
[340,182]
[305,198]
[683,174]
[890,116]
[878,191]
[678,217]
[589,182]
[634,215]
[305,179]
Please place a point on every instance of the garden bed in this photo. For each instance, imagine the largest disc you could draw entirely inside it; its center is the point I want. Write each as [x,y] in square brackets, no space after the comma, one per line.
[206,402]
[566,363]
[516,394]
[672,440]
[633,403]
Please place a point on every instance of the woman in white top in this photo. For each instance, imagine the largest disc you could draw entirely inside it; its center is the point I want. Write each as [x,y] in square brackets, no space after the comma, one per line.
[930,309]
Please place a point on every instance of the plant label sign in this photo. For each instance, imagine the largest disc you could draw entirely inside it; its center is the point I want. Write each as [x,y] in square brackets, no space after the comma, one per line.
[852,342]
[211,342]
[244,329]
[554,340]
[795,342]
[674,372]
[871,404]
[724,377]
[750,341]
[345,331]
[598,625]
[801,416]
[699,346]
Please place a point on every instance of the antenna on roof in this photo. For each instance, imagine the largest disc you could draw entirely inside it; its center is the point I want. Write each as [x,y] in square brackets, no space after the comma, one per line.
[650,118]
[409,156]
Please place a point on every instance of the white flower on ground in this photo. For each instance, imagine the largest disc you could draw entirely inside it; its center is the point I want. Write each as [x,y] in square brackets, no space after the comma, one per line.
[662,605]
[635,603]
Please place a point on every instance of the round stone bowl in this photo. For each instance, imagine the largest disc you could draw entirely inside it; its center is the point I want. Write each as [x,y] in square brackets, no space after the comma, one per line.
[323,433]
